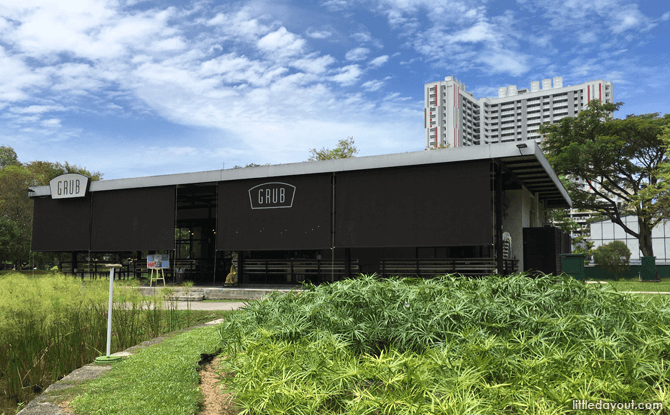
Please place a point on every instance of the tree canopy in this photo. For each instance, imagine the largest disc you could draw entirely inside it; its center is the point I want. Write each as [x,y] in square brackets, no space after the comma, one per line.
[660,192]
[8,157]
[606,163]
[16,208]
[345,149]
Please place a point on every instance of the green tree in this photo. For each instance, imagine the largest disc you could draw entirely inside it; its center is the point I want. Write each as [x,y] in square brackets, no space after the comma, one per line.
[44,171]
[345,149]
[606,163]
[16,208]
[8,157]
[660,192]
[16,214]
[614,258]
[251,165]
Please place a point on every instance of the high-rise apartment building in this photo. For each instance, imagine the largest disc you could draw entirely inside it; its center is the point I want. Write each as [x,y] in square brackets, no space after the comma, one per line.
[453,117]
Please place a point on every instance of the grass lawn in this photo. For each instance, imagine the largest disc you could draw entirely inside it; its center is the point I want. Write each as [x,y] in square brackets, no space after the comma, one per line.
[635,285]
[161,379]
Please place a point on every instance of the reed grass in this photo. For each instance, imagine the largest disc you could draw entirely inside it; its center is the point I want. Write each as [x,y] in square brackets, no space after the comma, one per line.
[51,325]
[448,345]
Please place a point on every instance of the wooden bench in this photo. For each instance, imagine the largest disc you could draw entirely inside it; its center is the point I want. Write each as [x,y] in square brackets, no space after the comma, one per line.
[93,269]
[294,270]
[432,267]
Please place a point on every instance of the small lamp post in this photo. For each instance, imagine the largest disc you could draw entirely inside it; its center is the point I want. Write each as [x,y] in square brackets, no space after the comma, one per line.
[108,358]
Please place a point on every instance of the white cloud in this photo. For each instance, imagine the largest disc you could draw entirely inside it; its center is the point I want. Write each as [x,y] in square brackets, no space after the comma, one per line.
[335,5]
[316,34]
[365,37]
[587,37]
[379,61]
[373,85]
[348,75]
[37,109]
[182,151]
[480,32]
[626,19]
[313,64]
[51,123]
[502,62]
[357,54]
[171,44]
[282,43]
[239,25]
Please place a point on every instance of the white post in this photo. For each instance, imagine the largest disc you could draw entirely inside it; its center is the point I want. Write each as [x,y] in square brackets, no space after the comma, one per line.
[109,311]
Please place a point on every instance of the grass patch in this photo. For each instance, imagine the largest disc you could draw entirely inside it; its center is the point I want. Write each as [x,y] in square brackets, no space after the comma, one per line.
[161,379]
[54,324]
[448,345]
[635,285]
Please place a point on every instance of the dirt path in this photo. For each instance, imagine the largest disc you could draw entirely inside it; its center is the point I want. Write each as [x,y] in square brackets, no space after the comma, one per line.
[216,402]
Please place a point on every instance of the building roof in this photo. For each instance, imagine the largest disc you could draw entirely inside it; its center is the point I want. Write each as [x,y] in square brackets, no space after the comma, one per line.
[527,164]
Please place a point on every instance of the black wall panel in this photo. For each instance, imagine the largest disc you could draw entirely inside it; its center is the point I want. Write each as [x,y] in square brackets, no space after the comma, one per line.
[435,205]
[62,224]
[133,219]
[258,215]
[542,249]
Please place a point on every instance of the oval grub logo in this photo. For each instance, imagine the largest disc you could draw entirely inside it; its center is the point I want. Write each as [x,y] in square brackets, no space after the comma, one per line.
[272,195]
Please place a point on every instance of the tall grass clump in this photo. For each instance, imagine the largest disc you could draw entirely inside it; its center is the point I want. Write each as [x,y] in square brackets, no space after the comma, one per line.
[53,324]
[448,345]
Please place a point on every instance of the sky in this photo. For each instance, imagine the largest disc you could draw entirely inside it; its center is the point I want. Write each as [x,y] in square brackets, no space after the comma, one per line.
[135,88]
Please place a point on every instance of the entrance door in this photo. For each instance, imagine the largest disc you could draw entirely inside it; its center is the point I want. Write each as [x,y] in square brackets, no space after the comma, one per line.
[195,232]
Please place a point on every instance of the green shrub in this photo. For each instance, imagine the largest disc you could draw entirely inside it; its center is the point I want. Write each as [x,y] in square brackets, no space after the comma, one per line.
[449,345]
[614,258]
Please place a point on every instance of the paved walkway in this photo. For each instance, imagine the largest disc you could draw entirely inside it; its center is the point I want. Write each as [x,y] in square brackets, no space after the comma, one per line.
[209,306]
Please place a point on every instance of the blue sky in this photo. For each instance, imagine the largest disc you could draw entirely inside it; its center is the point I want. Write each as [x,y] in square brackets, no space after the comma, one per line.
[140,88]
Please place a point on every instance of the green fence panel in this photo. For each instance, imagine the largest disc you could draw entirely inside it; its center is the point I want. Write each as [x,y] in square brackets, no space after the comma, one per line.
[595,273]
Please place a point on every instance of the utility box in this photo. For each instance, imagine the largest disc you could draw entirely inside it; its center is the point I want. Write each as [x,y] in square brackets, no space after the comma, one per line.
[648,269]
[573,264]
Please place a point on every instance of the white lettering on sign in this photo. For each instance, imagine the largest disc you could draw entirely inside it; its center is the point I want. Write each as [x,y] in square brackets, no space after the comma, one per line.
[272,195]
[69,185]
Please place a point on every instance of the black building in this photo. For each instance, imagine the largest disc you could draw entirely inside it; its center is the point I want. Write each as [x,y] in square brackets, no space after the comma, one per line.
[453,210]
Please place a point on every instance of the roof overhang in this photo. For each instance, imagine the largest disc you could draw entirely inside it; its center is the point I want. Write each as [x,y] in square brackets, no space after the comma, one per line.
[528,164]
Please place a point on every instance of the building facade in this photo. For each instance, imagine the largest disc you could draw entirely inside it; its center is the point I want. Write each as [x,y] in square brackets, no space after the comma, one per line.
[453,117]
[604,232]
[421,213]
